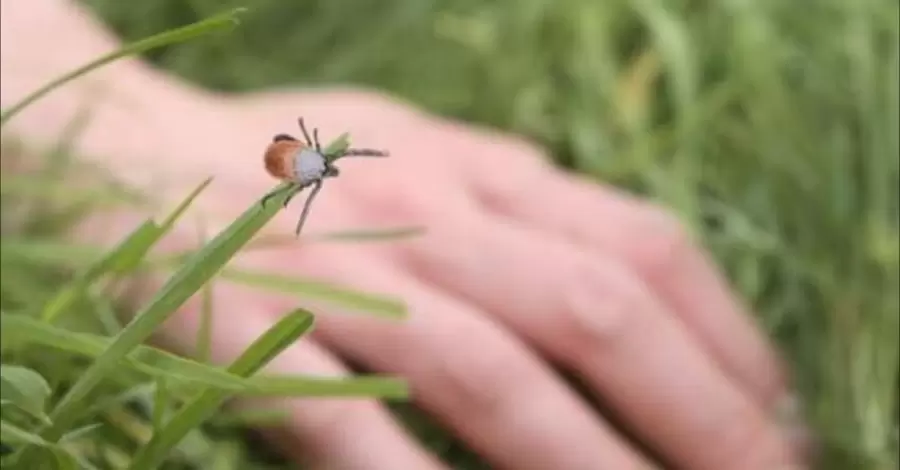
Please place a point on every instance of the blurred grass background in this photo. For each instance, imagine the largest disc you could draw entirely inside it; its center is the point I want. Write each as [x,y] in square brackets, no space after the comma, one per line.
[769,126]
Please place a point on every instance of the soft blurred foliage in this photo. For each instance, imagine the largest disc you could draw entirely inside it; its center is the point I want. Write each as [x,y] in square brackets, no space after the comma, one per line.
[770,126]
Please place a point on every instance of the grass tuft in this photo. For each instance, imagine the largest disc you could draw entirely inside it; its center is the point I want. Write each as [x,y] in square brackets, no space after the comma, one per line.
[76,399]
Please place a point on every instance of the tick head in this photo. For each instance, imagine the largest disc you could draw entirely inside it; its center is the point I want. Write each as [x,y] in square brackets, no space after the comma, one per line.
[281,137]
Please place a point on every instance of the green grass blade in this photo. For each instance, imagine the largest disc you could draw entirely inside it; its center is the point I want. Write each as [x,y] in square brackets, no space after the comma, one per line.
[160,403]
[144,359]
[372,234]
[138,47]
[203,350]
[25,389]
[196,271]
[357,235]
[382,387]
[290,328]
[12,434]
[314,289]
[176,214]
[143,236]
[123,258]
[49,253]
[341,143]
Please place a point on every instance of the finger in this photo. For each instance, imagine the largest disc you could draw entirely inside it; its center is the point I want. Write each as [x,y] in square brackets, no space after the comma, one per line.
[599,319]
[515,183]
[324,433]
[487,387]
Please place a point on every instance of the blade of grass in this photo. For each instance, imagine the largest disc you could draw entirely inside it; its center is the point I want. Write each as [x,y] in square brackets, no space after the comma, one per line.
[372,235]
[48,252]
[144,359]
[361,235]
[382,387]
[167,38]
[196,271]
[288,329]
[122,258]
[204,331]
[160,403]
[144,235]
[26,389]
[12,434]
[176,214]
[309,288]
[375,304]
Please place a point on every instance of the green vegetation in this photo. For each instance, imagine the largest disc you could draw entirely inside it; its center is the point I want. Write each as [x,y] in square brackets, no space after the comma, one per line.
[144,406]
[769,126]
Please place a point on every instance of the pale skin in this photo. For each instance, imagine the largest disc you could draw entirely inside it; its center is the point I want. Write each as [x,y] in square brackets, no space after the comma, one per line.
[521,266]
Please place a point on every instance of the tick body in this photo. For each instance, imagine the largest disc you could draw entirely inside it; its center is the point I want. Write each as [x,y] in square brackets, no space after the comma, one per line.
[305,164]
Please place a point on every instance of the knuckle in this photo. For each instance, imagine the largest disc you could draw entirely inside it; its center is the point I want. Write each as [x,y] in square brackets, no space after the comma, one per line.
[603,306]
[661,244]
[405,201]
[479,380]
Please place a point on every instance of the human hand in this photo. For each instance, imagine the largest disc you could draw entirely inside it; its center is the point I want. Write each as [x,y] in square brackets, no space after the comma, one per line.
[521,266]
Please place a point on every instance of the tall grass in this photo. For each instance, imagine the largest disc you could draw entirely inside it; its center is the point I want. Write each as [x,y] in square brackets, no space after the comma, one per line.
[81,390]
[770,126]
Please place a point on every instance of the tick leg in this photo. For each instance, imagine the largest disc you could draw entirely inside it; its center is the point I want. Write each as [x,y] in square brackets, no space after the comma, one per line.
[296,191]
[268,196]
[309,141]
[316,140]
[309,200]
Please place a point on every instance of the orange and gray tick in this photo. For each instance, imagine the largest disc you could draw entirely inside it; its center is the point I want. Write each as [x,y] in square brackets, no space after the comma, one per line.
[303,164]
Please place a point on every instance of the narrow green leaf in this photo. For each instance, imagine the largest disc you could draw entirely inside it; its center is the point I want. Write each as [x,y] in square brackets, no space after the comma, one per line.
[276,339]
[271,241]
[288,329]
[341,143]
[197,270]
[204,330]
[25,389]
[12,434]
[145,359]
[131,257]
[52,253]
[138,47]
[79,433]
[372,234]
[160,403]
[176,214]
[315,289]
[64,460]
[123,258]
[142,237]
[382,387]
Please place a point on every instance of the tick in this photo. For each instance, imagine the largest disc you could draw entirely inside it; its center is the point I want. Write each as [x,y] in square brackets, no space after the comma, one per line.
[305,164]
